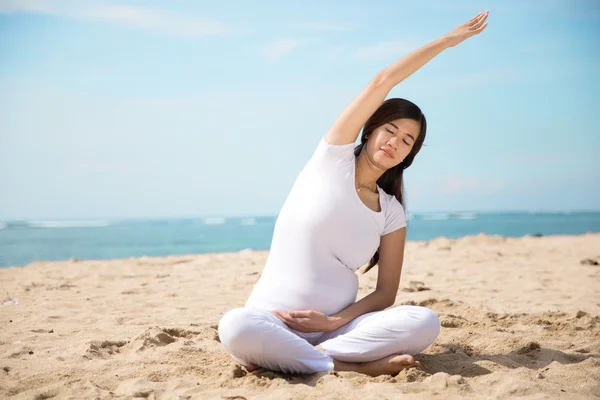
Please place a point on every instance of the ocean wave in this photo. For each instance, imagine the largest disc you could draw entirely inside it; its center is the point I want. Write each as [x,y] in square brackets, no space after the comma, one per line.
[214,221]
[67,224]
[248,221]
[3,225]
[445,216]
[465,216]
[435,217]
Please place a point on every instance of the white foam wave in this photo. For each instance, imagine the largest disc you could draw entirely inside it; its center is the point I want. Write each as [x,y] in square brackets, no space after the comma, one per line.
[466,216]
[248,221]
[2,225]
[214,221]
[67,224]
[436,217]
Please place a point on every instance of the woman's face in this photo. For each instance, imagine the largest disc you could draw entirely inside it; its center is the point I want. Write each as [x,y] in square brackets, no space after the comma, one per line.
[390,143]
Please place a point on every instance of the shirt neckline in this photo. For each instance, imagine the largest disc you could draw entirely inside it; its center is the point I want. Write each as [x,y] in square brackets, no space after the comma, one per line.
[379,190]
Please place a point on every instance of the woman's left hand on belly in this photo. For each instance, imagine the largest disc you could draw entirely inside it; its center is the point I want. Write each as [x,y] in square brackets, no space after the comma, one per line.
[309,321]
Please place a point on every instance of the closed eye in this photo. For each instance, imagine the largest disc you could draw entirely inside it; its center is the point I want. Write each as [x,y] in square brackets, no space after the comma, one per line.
[405,142]
[389,131]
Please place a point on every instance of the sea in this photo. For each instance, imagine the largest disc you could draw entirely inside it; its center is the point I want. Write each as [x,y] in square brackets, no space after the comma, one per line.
[22,242]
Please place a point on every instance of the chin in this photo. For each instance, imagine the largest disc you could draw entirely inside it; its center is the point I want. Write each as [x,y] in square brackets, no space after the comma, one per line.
[383,162]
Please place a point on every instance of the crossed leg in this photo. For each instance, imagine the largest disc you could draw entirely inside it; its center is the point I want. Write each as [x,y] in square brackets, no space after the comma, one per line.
[381,342]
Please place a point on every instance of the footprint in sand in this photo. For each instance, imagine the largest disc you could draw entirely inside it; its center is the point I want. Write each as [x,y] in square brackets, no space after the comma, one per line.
[159,337]
[528,348]
[23,352]
[151,338]
[459,348]
[104,349]
[452,321]
[415,286]
[442,380]
[46,394]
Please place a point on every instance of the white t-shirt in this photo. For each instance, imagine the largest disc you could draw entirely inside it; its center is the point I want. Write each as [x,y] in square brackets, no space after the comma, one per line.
[324,233]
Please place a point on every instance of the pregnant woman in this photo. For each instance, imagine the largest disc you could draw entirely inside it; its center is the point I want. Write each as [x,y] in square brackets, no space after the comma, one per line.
[345,210]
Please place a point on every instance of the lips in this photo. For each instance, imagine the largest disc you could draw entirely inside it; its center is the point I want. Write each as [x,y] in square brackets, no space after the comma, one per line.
[389,154]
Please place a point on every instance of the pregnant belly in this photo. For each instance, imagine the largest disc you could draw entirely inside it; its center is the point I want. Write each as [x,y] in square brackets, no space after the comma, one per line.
[302,294]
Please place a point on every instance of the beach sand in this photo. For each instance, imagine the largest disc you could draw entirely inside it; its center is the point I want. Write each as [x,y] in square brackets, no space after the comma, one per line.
[520,318]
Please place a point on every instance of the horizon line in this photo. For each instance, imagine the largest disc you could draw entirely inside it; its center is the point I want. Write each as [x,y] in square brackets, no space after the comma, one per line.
[263,215]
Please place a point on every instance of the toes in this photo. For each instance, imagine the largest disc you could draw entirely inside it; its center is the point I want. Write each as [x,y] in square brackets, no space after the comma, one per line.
[409,360]
[250,367]
[404,359]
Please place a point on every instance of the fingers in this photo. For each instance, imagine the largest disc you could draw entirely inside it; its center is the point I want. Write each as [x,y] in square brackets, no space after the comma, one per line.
[478,20]
[472,20]
[299,314]
[285,317]
[289,320]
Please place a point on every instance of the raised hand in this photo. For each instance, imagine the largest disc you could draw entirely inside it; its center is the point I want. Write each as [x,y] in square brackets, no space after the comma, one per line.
[471,28]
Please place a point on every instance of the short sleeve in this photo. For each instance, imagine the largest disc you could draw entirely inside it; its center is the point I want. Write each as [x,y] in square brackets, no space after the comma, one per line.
[395,217]
[339,153]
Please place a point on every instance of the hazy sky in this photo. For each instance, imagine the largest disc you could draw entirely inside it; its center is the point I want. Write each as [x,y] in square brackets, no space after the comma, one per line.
[197,108]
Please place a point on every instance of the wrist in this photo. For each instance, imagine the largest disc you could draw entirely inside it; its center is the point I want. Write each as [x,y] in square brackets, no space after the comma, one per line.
[336,322]
[446,42]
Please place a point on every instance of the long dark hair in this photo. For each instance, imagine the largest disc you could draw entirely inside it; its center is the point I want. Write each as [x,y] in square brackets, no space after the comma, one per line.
[391,180]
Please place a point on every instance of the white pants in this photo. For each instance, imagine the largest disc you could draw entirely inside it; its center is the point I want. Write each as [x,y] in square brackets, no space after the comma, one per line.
[257,336]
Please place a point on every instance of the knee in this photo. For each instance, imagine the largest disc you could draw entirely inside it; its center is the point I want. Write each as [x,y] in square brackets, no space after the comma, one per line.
[428,323]
[420,322]
[236,328]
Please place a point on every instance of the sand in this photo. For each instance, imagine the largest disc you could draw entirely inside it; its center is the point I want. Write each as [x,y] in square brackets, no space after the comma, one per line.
[520,319]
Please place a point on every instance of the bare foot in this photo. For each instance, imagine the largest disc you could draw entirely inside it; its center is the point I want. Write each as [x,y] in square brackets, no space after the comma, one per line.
[251,367]
[390,365]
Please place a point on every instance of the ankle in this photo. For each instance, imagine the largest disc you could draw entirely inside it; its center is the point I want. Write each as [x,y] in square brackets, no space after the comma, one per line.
[341,365]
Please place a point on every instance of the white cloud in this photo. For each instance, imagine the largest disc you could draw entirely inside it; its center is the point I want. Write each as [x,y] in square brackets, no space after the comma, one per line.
[33,6]
[334,54]
[443,84]
[469,185]
[484,78]
[382,50]
[281,47]
[140,17]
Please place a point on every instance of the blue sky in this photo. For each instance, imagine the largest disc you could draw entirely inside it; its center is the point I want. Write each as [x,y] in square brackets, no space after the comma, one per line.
[192,108]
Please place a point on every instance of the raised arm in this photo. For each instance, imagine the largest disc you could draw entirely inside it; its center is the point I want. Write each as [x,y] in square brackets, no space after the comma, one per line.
[348,125]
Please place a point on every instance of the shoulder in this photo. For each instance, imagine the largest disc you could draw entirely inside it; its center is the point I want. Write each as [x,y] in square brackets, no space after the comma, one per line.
[392,205]
[395,217]
[334,152]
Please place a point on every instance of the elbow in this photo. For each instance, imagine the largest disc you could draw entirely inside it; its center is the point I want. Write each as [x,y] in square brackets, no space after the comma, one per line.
[390,302]
[387,300]
[382,79]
